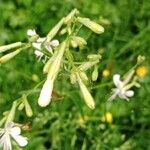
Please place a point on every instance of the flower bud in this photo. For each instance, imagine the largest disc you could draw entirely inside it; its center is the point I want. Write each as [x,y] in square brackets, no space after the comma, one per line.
[95,73]
[140,59]
[93,57]
[74,44]
[9,56]
[63,31]
[91,25]
[86,94]
[28,108]
[10,46]
[78,41]
[86,65]
[21,106]
[52,68]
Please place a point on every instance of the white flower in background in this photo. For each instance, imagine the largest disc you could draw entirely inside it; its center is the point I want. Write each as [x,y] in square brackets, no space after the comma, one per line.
[122,88]
[11,131]
[31,32]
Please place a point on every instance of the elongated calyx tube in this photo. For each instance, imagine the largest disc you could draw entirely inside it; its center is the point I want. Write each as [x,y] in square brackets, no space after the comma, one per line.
[53,69]
[95,27]
[10,46]
[86,94]
[9,56]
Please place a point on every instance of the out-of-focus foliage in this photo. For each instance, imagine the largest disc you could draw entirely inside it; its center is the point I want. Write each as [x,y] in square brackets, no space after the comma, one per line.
[68,123]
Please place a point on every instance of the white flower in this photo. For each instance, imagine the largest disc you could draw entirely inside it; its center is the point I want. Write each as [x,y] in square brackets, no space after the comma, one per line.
[122,89]
[31,32]
[13,131]
[38,44]
[50,45]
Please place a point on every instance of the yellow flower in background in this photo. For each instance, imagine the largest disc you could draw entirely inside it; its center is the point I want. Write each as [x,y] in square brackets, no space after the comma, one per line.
[83,119]
[141,71]
[35,77]
[107,117]
[106,73]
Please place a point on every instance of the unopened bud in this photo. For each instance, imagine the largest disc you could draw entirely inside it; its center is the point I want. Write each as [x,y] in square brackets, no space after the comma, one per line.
[63,31]
[78,41]
[93,57]
[10,46]
[140,59]
[86,65]
[91,25]
[95,73]
[86,94]
[74,44]
[21,106]
[9,56]
[28,108]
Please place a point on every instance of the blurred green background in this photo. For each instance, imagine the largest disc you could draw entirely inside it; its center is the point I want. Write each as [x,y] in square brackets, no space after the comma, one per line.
[68,124]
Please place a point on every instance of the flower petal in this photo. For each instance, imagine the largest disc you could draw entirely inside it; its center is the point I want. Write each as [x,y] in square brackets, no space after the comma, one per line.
[15,131]
[38,53]
[116,79]
[5,142]
[46,92]
[54,43]
[22,141]
[31,32]
[36,45]
[9,125]
[129,93]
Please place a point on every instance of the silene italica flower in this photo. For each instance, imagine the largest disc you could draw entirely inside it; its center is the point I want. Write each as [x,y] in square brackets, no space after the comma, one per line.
[11,131]
[122,89]
[37,44]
